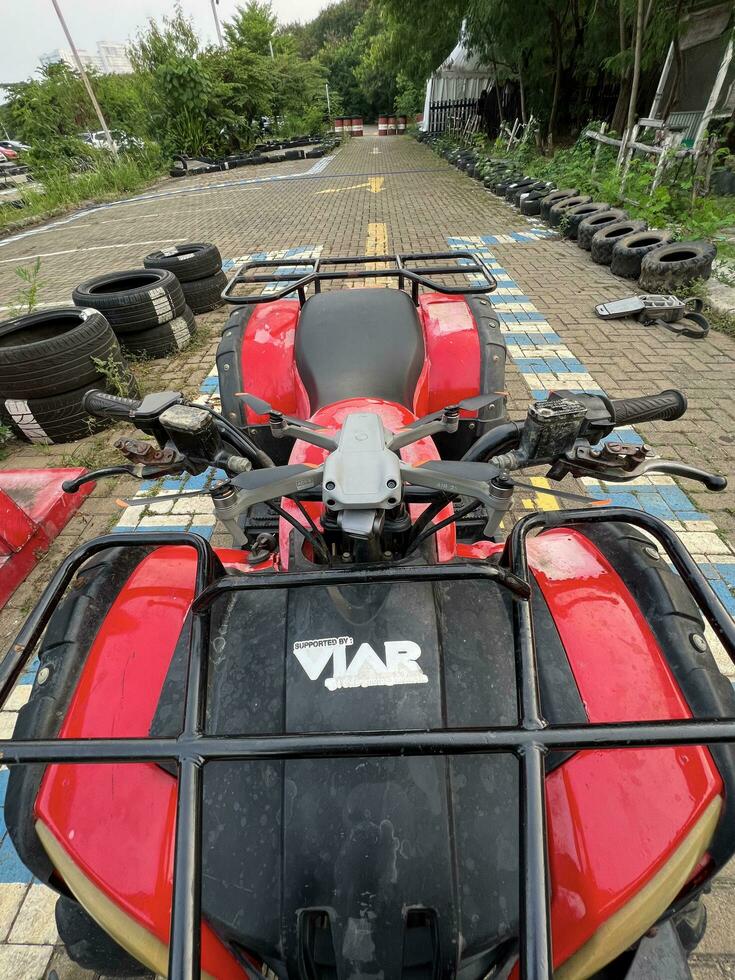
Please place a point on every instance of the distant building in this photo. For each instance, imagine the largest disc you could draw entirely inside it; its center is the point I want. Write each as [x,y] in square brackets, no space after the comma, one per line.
[111,58]
[114,57]
[88,59]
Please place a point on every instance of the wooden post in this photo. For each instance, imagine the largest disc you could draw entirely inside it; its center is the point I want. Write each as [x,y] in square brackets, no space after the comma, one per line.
[715,93]
[626,150]
[665,72]
[671,140]
[603,130]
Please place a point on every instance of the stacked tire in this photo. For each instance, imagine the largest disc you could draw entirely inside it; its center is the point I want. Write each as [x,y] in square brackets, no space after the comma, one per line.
[48,361]
[146,308]
[198,268]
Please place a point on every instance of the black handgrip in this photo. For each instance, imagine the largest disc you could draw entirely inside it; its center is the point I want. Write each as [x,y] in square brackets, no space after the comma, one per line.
[667,406]
[101,403]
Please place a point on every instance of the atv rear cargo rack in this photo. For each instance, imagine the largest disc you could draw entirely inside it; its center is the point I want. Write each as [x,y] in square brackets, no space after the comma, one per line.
[300,273]
[529,741]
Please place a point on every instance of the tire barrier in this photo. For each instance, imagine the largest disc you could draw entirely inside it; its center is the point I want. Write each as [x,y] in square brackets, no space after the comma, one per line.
[141,301]
[670,267]
[198,267]
[604,240]
[589,227]
[629,251]
[628,246]
[48,361]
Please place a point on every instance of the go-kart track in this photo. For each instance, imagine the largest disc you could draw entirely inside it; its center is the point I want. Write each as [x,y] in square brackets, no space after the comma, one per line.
[376,196]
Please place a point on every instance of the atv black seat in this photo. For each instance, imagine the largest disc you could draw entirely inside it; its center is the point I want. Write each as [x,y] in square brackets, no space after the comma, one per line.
[359,343]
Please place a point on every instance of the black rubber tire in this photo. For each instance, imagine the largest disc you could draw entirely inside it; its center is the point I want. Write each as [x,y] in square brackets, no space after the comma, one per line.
[559,210]
[501,186]
[630,250]
[573,217]
[314,154]
[604,240]
[163,339]
[90,946]
[294,154]
[133,300]
[667,269]
[59,418]
[192,260]
[517,188]
[205,295]
[50,352]
[531,205]
[553,198]
[691,924]
[537,187]
[590,226]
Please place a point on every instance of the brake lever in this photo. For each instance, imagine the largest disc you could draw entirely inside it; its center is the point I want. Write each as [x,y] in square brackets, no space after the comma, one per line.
[139,471]
[618,462]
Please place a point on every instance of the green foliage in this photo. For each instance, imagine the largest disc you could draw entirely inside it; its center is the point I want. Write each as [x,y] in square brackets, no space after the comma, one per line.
[156,44]
[252,27]
[409,98]
[104,179]
[27,299]
[672,205]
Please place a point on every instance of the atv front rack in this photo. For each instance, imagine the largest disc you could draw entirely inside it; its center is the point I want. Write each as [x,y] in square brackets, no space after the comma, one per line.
[530,741]
[299,274]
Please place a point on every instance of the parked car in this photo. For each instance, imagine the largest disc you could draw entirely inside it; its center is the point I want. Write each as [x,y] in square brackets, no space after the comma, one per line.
[8,152]
[121,140]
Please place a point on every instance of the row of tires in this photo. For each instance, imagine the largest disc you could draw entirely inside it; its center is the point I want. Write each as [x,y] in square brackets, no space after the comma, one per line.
[184,166]
[627,245]
[48,362]
[50,359]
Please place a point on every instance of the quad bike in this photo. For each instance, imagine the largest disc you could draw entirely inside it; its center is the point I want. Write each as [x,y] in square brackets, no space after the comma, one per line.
[370,739]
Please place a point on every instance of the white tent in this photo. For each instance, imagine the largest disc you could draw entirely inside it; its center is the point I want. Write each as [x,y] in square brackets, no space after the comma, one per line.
[461,76]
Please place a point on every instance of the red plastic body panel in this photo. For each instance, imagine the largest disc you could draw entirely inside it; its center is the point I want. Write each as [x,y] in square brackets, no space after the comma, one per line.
[267,359]
[451,370]
[33,509]
[614,816]
[452,350]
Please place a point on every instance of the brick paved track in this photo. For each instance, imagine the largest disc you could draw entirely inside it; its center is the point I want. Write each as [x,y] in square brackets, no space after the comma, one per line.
[390,191]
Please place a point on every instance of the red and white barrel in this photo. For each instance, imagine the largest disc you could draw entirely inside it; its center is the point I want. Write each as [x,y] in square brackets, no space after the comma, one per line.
[401,125]
[338,125]
[357,125]
[382,125]
[392,126]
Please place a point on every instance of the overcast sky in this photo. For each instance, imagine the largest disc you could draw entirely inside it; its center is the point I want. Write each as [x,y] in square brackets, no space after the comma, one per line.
[30,28]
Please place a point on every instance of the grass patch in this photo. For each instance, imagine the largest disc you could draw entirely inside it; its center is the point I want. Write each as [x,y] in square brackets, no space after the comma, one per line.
[59,188]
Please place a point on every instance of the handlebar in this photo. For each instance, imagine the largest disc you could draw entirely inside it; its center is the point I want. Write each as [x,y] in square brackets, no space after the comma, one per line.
[666,406]
[101,403]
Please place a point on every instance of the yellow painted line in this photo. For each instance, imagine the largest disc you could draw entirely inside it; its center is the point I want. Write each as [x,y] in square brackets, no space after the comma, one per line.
[374,185]
[376,243]
[543,500]
[377,239]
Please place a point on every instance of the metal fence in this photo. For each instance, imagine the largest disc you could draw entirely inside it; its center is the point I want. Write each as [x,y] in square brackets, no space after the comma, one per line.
[451,114]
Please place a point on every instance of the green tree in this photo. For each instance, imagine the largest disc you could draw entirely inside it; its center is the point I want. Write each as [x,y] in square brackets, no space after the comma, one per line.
[156,44]
[252,27]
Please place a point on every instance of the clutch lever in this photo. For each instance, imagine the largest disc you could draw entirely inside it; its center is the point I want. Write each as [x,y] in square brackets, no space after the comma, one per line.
[139,470]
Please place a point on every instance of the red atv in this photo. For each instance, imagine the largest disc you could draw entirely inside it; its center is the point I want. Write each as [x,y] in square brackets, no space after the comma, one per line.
[370,740]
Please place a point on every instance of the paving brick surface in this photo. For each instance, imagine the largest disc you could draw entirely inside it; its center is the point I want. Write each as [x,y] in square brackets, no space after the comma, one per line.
[373,195]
